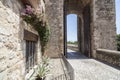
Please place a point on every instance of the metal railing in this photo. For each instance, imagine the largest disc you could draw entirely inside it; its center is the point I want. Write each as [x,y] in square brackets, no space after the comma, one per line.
[68,70]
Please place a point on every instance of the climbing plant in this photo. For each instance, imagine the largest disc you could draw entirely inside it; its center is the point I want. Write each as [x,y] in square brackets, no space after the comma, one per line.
[43,32]
[31,17]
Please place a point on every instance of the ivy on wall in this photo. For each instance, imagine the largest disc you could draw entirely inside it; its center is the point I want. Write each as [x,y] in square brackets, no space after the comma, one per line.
[31,17]
[43,32]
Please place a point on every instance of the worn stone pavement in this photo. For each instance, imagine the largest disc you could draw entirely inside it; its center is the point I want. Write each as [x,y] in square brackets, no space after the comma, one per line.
[91,69]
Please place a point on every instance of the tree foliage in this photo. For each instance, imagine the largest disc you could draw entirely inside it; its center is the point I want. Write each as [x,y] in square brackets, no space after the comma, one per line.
[72,42]
[118,42]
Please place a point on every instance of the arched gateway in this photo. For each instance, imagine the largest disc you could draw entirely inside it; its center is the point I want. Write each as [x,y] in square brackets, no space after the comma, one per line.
[96,25]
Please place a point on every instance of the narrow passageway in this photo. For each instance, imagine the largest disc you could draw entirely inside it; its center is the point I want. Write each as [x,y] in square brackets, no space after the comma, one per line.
[91,69]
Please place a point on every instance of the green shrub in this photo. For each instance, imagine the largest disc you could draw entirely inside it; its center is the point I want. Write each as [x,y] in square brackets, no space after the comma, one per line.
[118,45]
[72,42]
[118,42]
[43,68]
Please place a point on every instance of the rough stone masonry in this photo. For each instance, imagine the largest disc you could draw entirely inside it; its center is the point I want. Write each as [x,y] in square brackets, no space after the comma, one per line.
[102,31]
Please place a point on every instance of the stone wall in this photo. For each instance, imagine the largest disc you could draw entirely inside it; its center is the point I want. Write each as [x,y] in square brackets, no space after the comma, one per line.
[103,26]
[12,45]
[54,14]
[109,56]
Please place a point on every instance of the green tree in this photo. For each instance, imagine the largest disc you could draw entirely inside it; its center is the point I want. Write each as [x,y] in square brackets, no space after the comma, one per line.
[72,42]
[118,42]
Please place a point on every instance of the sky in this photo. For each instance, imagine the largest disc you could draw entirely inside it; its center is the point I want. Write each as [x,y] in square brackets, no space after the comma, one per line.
[72,24]
[72,27]
[118,16]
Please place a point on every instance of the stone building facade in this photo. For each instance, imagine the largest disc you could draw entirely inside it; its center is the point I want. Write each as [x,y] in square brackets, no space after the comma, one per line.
[96,29]
[12,41]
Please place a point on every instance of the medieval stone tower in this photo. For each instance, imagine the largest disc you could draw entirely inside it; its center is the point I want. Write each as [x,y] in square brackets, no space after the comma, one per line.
[96,24]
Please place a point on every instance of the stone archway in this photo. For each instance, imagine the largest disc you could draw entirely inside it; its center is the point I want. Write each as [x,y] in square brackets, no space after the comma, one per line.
[82,9]
[101,28]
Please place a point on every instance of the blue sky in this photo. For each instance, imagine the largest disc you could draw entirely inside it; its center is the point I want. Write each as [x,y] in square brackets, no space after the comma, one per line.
[72,27]
[72,24]
[118,16]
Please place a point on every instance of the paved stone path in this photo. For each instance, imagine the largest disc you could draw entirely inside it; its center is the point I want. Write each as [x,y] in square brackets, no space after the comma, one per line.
[56,67]
[90,69]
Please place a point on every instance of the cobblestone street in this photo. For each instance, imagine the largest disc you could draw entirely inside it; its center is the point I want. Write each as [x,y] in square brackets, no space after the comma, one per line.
[91,69]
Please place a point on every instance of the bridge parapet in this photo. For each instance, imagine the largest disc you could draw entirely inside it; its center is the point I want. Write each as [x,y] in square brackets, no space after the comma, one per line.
[110,56]
[72,47]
